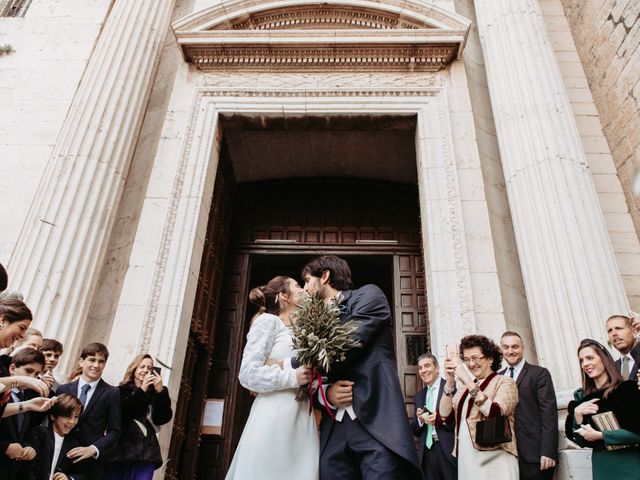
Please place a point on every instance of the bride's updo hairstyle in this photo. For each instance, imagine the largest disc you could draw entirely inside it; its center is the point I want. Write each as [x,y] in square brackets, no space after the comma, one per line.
[266,296]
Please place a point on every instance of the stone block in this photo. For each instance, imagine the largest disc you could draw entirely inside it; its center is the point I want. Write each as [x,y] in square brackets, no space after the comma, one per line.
[613,202]
[607,183]
[628,263]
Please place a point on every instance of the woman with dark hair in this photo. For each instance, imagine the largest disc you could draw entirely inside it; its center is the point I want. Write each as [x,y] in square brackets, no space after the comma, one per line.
[280,438]
[15,320]
[145,406]
[616,451]
[483,394]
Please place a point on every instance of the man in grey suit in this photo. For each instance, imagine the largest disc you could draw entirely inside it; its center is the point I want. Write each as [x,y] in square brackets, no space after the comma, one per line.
[536,414]
[620,330]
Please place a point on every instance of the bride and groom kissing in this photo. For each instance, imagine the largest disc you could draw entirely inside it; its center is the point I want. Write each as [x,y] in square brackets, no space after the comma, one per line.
[370,437]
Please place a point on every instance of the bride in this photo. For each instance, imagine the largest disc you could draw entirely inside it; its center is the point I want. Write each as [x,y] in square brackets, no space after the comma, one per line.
[280,438]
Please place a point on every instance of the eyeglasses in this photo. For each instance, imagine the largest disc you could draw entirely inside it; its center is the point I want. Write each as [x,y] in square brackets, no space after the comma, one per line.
[470,360]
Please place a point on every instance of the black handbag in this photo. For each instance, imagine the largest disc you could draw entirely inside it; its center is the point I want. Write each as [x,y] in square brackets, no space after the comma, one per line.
[493,431]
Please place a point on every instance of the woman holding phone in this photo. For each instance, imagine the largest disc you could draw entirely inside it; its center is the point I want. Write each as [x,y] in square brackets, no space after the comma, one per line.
[145,406]
[482,394]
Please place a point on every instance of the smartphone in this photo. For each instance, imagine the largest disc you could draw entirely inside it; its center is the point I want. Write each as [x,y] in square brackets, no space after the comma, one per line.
[452,352]
[158,371]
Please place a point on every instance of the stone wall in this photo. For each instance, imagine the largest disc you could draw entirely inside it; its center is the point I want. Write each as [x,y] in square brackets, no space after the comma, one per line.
[607,37]
[598,115]
[52,44]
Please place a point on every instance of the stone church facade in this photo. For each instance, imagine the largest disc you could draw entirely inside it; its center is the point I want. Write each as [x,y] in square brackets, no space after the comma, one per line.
[161,157]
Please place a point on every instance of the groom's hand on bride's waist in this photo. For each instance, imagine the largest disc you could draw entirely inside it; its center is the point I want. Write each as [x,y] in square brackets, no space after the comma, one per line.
[340,393]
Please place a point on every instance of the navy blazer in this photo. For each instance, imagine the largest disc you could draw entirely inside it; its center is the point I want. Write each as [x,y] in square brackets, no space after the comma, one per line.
[99,424]
[446,433]
[9,469]
[536,421]
[377,397]
[635,354]
[42,440]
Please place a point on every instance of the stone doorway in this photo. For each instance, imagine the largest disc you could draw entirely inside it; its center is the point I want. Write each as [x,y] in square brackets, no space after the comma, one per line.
[374,225]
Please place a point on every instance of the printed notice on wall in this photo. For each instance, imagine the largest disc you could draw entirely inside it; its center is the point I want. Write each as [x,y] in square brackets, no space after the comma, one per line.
[212,416]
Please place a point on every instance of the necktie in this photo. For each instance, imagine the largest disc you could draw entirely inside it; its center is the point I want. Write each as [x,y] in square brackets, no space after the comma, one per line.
[429,405]
[511,372]
[83,394]
[625,368]
[20,418]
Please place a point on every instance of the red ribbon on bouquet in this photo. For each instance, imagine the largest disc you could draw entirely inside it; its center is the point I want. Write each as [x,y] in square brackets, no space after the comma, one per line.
[318,377]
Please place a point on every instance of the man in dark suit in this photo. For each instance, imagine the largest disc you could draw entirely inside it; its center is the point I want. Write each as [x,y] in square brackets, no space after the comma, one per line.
[370,438]
[435,444]
[99,425]
[536,414]
[621,336]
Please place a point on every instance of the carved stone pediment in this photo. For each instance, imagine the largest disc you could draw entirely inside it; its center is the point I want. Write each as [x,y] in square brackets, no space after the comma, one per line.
[301,35]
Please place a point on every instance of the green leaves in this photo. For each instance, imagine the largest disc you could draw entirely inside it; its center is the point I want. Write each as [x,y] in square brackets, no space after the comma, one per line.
[319,337]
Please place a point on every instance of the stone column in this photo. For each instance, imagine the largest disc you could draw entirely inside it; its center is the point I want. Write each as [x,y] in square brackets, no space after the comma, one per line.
[61,248]
[570,272]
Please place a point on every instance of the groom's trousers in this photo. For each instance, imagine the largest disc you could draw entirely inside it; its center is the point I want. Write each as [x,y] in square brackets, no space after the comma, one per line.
[351,453]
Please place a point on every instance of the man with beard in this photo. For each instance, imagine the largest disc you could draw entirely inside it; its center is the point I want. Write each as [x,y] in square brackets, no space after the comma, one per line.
[370,437]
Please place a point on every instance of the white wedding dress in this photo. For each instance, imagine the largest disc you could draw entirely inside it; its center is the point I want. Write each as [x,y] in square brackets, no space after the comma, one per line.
[280,438]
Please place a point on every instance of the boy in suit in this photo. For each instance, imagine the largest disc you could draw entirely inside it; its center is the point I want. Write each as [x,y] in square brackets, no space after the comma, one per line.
[14,429]
[52,443]
[52,351]
[99,424]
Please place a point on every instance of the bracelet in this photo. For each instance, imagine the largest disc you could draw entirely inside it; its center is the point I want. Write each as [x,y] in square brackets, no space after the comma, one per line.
[14,382]
[473,392]
[448,391]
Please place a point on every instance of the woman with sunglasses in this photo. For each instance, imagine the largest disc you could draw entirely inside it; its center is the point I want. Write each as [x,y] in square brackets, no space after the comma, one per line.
[616,451]
[482,394]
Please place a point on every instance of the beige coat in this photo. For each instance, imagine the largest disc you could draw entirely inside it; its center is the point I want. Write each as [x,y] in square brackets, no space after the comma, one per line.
[503,391]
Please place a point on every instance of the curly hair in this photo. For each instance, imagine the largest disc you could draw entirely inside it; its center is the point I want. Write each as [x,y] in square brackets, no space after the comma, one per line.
[488,347]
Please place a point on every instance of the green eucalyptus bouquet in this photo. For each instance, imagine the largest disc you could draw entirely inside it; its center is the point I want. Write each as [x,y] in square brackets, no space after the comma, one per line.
[320,338]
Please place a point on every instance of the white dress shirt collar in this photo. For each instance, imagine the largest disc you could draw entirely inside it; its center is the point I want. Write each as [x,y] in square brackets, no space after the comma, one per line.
[517,368]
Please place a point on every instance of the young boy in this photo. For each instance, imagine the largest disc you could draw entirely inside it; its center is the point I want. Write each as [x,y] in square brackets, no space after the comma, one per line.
[14,429]
[53,442]
[99,424]
[52,351]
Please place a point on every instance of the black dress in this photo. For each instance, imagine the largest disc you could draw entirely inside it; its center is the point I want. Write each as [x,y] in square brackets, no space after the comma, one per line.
[5,361]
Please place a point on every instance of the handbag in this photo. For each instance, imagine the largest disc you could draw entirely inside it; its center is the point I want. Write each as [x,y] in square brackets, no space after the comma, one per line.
[493,431]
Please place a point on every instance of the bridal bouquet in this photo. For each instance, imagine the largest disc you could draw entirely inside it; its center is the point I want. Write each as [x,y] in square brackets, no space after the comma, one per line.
[320,338]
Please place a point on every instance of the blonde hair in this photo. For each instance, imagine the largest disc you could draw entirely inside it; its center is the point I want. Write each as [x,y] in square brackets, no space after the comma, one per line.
[131,369]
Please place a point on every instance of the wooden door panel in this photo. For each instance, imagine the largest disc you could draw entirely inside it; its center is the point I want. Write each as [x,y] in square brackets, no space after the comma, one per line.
[411,322]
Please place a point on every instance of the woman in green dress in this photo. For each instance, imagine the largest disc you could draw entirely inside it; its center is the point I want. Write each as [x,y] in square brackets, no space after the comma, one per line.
[616,448]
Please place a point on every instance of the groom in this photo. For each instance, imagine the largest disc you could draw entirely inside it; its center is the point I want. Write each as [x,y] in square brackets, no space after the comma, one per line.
[370,438]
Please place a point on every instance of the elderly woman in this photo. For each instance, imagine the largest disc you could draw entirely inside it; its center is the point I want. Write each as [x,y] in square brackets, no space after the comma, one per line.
[482,394]
[615,451]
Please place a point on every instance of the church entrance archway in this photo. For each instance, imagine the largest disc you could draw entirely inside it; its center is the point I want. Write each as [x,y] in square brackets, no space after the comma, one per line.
[258,229]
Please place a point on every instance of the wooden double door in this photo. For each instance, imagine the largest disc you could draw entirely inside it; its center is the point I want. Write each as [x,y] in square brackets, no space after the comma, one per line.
[260,230]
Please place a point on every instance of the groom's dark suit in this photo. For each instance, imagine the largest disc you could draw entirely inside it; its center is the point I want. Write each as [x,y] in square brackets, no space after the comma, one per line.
[377,397]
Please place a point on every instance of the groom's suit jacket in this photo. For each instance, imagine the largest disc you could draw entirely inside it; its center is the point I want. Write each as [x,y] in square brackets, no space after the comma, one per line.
[378,401]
